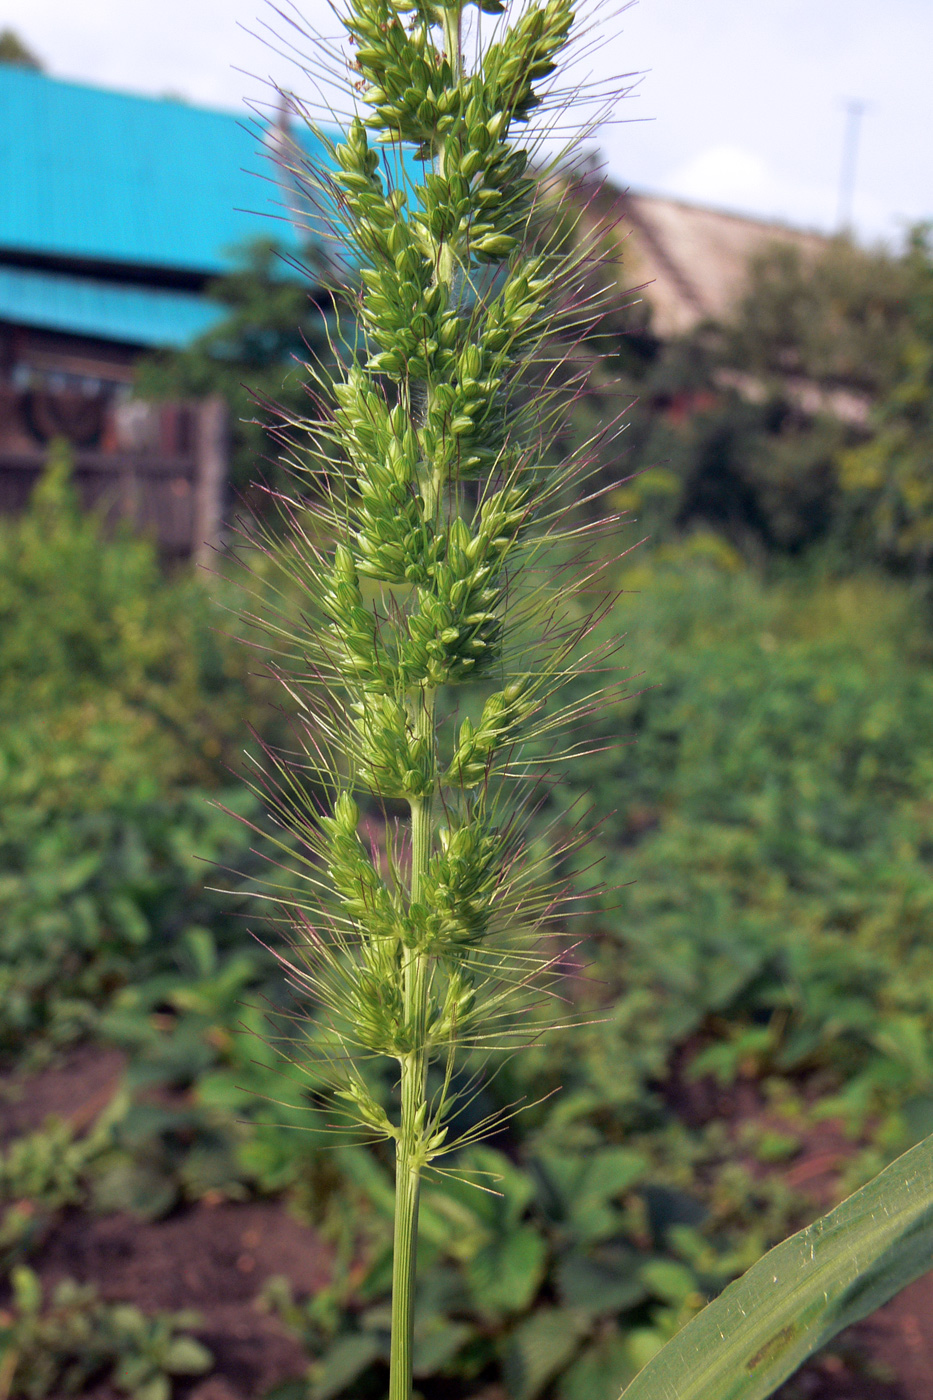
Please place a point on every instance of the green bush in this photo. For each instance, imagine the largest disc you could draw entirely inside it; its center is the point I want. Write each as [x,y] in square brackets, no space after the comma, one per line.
[800,419]
[121,700]
[770,836]
[119,703]
[887,481]
[95,635]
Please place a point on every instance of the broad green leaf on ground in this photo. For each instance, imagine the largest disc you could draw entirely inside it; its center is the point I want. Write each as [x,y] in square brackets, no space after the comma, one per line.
[343,1362]
[838,1270]
[539,1348]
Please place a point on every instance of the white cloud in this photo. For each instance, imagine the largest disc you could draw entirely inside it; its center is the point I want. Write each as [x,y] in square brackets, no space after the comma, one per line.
[727,175]
[737,178]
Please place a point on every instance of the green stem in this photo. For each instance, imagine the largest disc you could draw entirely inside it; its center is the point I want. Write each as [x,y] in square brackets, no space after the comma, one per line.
[452,22]
[414,1075]
[407,1190]
[414,1065]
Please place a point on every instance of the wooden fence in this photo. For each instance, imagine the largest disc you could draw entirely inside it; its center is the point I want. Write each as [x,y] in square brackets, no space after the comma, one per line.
[163,467]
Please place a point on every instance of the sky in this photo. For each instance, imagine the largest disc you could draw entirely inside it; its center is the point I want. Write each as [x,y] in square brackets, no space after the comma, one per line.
[741,104]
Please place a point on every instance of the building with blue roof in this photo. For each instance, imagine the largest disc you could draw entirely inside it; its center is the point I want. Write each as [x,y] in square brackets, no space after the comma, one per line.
[116,214]
[118,210]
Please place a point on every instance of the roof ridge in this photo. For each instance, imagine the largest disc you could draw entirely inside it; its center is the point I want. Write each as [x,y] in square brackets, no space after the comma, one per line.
[31,75]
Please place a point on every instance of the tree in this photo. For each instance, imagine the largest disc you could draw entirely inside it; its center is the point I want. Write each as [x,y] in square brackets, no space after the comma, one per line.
[744,426]
[837,318]
[257,357]
[888,481]
[14,51]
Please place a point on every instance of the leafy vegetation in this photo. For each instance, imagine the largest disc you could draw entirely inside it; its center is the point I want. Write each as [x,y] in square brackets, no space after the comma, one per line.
[764,428]
[764,981]
[13,50]
[804,1291]
[120,704]
[759,982]
[888,478]
[56,1346]
[839,318]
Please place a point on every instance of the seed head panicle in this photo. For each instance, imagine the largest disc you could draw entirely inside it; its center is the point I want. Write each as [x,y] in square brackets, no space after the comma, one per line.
[434,543]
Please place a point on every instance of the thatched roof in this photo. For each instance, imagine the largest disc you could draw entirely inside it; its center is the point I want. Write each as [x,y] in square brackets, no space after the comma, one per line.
[694,259]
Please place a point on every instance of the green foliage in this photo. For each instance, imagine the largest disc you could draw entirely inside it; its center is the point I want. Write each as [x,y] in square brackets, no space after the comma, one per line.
[773,834]
[13,50]
[119,704]
[100,877]
[93,632]
[536,1280]
[773,941]
[46,1171]
[699,452]
[56,1346]
[789,425]
[211,1108]
[120,699]
[888,480]
[774,817]
[734,961]
[835,317]
[760,975]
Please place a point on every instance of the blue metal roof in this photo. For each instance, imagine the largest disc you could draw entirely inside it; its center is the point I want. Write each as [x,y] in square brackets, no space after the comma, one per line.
[146,316]
[105,176]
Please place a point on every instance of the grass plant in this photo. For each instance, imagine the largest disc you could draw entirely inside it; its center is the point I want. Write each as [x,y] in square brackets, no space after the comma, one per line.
[437,550]
[445,600]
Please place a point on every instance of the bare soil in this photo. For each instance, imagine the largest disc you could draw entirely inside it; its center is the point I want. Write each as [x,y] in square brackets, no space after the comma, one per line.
[76,1091]
[213,1259]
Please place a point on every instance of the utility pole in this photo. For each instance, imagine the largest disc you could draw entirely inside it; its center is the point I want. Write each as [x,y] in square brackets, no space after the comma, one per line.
[855,110]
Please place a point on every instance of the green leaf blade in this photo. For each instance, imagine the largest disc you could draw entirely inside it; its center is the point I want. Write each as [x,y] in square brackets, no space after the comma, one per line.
[794,1300]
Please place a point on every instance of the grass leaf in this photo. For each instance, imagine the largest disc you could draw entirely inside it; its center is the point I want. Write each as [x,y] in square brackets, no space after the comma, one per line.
[838,1270]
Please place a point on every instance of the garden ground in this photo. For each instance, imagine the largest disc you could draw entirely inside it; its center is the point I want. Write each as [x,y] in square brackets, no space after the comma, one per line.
[216,1256]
